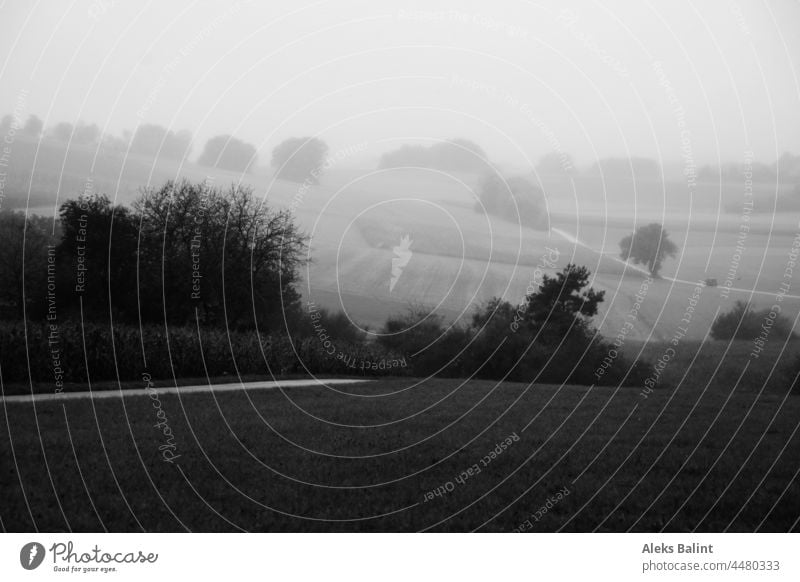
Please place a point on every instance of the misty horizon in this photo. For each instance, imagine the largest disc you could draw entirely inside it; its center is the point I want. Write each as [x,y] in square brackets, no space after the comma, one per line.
[280,75]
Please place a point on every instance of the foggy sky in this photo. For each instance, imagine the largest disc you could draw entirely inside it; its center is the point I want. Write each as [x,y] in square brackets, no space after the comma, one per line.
[519,78]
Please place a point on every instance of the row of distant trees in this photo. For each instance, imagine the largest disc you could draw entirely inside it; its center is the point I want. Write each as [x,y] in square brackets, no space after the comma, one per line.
[457,155]
[294,159]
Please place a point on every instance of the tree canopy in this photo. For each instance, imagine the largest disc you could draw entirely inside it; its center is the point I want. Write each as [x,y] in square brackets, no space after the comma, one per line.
[515,199]
[648,245]
[457,154]
[300,159]
[155,140]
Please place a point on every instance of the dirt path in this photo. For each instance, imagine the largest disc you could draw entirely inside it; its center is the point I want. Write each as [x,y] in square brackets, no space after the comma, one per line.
[233,386]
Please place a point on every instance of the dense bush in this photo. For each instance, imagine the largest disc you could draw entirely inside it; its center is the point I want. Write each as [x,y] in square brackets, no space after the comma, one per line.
[743,322]
[300,159]
[548,339]
[125,352]
[430,347]
[514,199]
[25,262]
[228,153]
[789,376]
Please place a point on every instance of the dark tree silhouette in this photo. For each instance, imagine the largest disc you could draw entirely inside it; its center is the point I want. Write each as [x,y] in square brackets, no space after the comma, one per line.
[549,337]
[300,159]
[97,258]
[23,260]
[648,245]
[743,322]
[228,153]
[220,254]
[561,305]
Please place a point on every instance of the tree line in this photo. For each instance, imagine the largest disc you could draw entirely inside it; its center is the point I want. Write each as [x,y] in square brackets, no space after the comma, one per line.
[183,252]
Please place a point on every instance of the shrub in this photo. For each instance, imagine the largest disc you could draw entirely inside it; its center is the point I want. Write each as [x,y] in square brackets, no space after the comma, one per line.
[743,322]
[429,347]
[120,352]
[789,376]
[548,338]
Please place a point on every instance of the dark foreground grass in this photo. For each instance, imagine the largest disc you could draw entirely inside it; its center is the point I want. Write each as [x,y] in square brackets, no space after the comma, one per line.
[314,459]
[723,364]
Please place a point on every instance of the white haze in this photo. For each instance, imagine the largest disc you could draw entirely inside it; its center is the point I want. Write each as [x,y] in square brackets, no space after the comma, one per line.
[519,78]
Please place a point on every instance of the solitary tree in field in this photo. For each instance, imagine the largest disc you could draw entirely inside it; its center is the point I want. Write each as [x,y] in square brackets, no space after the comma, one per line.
[228,153]
[155,140]
[649,245]
[299,159]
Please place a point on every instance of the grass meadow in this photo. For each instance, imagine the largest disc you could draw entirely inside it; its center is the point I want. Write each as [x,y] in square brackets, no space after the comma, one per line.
[713,448]
[369,457]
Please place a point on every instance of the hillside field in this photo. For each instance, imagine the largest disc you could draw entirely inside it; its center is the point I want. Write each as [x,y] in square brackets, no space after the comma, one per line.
[369,457]
[460,257]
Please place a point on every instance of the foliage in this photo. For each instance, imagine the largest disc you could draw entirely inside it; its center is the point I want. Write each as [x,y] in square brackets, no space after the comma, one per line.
[743,322]
[430,347]
[185,253]
[81,134]
[228,153]
[300,159]
[99,351]
[790,376]
[514,199]
[24,262]
[562,305]
[648,245]
[33,127]
[458,154]
[157,141]
[548,338]
[220,254]
[96,258]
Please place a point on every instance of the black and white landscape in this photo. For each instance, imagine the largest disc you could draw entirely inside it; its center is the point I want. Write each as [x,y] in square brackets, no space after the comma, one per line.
[400,266]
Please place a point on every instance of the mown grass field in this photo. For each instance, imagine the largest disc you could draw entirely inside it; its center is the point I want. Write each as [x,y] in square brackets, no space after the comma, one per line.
[364,457]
